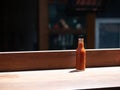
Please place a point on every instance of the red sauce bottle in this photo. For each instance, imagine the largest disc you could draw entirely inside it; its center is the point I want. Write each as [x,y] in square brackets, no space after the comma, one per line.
[80,55]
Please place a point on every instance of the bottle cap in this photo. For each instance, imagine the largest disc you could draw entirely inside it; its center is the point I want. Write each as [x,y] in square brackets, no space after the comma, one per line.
[80,40]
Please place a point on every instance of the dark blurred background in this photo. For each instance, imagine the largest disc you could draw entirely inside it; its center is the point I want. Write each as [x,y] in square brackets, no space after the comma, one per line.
[21,26]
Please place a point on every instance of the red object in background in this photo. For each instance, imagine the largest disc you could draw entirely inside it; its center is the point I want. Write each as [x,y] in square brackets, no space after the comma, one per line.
[93,2]
[86,2]
[80,55]
[56,26]
[88,5]
[82,2]
[77,2]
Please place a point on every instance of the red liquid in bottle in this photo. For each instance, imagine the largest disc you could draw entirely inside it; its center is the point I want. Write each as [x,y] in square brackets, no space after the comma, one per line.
[80,55]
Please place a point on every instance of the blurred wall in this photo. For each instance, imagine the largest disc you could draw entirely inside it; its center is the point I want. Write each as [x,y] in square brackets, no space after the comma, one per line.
[19,25]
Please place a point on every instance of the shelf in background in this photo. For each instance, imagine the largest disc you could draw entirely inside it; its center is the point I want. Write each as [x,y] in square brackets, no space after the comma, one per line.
[59,1]
[66,31]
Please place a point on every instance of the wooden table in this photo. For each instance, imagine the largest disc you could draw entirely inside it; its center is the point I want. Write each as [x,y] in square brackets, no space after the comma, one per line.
[61,79]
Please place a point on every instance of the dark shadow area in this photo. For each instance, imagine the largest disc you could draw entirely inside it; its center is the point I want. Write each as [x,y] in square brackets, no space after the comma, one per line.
[102,88]
[75,71]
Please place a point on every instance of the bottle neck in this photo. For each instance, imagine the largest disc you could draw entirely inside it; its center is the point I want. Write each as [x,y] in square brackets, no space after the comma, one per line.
[80,43]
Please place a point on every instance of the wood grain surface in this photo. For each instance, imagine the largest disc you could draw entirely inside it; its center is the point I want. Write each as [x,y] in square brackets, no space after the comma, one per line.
[36,60]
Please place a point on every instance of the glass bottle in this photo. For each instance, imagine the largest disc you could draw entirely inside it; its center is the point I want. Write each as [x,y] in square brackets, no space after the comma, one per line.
[80,55]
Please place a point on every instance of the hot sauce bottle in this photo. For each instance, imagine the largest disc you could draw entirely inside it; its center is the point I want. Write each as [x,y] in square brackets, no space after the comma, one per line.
[80,55]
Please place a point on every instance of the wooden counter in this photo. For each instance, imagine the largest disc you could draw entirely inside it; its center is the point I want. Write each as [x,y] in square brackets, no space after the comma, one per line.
[56,59]
[62,79]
